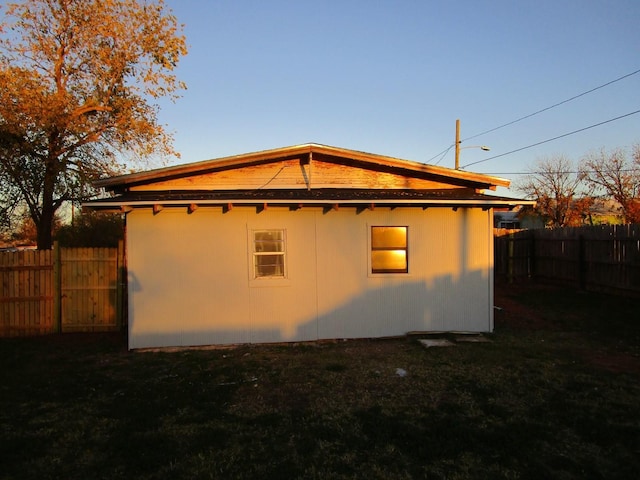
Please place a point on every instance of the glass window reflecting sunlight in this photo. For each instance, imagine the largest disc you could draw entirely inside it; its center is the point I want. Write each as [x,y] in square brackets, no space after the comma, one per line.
[389,250]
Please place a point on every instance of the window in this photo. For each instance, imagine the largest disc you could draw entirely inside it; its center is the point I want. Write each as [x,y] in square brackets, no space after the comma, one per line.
[268,254]
[389,252]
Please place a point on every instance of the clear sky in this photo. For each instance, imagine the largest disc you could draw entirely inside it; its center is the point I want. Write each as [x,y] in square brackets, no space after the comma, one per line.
[392,77]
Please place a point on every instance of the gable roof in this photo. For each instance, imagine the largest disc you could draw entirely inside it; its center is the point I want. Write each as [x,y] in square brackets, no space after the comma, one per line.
[303,174]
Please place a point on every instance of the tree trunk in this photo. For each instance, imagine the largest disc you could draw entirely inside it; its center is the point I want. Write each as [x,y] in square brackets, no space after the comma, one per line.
[44,225]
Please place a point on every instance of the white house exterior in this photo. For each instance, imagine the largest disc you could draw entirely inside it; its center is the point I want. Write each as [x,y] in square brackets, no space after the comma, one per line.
[305,243]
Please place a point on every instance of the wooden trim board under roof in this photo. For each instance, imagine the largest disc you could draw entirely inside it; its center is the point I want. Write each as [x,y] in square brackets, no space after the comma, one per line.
[304,154]
[334,198]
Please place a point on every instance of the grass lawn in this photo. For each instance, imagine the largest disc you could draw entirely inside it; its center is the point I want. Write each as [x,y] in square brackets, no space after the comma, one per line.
[555,394]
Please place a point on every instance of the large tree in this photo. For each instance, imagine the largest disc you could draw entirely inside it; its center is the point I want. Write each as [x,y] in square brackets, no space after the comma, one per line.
[554,183]
[617,176]
[78,82]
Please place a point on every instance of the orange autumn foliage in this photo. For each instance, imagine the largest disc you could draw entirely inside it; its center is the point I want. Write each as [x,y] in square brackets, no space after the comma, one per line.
[78,79]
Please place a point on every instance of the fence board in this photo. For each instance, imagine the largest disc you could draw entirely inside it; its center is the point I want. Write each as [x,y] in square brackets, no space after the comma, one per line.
[26,297]
[89,289]
[596,258]
[60,290]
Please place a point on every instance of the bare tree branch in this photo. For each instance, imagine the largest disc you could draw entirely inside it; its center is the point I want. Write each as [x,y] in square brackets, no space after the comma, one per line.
[614,174]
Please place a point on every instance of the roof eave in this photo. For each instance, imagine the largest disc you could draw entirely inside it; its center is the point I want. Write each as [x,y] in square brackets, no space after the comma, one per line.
[265,156]
[488,203]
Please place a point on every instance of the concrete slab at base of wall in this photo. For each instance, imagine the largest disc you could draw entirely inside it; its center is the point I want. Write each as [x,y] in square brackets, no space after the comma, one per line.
[472,339]
[436,342]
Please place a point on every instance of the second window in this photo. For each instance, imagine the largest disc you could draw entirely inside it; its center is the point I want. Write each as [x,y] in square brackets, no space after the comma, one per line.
[389,250]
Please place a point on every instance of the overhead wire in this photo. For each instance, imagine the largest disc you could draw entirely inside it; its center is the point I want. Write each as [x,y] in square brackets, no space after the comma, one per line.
[568,172]
[446,150]
[441,154]
[551,139]
[444,154]
[552,106]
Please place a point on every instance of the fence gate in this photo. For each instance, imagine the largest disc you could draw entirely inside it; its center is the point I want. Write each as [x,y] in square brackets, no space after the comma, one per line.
[90,299]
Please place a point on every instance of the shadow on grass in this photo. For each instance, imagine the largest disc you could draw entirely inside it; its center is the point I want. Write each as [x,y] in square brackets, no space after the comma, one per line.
[530,404]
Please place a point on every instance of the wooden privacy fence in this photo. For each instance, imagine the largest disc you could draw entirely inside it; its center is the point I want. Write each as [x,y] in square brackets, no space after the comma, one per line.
[592,258]
[61,290]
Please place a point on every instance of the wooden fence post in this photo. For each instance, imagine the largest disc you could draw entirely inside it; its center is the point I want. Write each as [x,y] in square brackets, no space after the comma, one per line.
[582,263]
[121,285]
[532,255]
[57,289]
[510,249]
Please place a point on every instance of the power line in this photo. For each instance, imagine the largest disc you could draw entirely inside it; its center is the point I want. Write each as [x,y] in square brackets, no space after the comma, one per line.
[551,139]
[568,172]
[446,150]
[444,154]
[441,154]
[552,106]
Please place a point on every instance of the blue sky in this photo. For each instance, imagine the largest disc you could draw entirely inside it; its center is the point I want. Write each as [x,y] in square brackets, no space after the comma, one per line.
[392,77]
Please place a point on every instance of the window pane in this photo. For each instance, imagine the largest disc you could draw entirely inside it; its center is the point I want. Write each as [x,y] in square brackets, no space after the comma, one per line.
[388,237]
[389,261]
[269,235]
[269,241]
[269,265]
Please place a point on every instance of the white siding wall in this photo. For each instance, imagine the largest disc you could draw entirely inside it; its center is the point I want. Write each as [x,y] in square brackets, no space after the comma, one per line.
[190,276]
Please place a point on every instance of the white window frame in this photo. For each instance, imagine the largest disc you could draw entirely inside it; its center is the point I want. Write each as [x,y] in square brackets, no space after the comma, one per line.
[254,277]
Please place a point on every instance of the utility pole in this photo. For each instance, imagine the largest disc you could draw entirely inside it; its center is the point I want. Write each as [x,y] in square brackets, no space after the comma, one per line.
[458,144]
